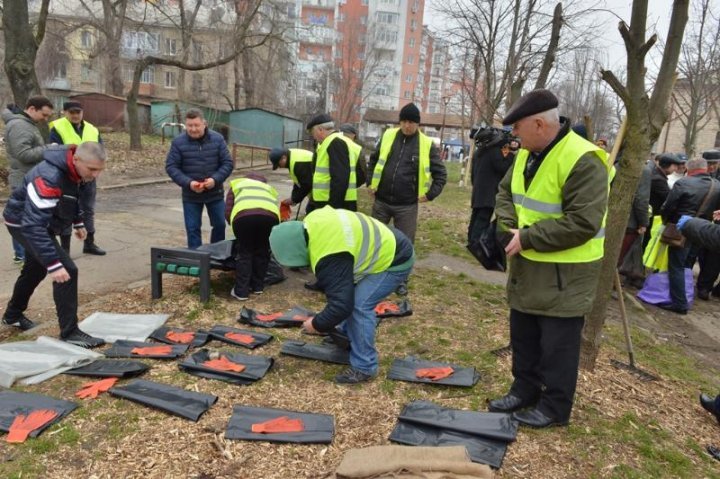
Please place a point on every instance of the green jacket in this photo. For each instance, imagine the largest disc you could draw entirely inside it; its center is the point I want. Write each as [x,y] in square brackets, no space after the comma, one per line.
[557,289]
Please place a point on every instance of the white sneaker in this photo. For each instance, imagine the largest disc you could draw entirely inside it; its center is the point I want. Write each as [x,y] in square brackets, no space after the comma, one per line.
[239,298]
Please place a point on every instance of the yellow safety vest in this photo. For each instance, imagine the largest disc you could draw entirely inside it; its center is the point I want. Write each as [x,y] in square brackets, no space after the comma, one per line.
[321,176]
[68,134]
[298,155]
[543,200]
[332,231]
[424,178]
[251,194]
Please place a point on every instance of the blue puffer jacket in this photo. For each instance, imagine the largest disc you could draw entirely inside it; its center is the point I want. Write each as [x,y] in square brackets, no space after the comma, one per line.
[47,203]
[195,160]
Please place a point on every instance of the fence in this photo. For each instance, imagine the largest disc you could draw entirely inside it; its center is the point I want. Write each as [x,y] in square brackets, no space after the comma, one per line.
[249,156]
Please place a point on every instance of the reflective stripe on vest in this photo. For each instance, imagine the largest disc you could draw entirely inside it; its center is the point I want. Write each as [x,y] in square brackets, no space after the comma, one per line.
[424,177]
[298,155]
[543,200]
[331,231]
[69,136]
[251,194]
[321,175]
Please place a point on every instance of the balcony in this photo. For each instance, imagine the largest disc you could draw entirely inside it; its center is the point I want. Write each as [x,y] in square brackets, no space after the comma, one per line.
[316,36]
[329,4]
[57,84]
[146,89]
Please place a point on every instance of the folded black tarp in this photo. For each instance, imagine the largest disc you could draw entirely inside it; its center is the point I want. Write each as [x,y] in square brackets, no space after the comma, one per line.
[318,428]
[13,404]
[123,349]
[258,339]
[255,366]
[492,425]
[482,450]
[171,399]
[404,370]
[199,337]
[110,368]
[393,309]
[322,352]
[292,318]
[222,257]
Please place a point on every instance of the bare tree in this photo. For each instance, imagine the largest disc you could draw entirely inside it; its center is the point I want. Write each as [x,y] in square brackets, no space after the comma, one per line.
[22,40]
[646,115]
[697,91]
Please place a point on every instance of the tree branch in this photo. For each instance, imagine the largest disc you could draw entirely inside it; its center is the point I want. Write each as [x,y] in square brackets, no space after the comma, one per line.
[616,85]
[42,22]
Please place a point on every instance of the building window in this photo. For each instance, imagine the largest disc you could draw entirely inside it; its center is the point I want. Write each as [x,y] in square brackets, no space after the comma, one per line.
[388,18]
[413,25]
[411,43]
[408,79]
[365,2]
[197,52]
[86,39]
[86,72]
[341,17]
[170,46]
[363,20]
[411,59]
[148,75]
[197,84]
[385,36]
[170,80]
[61,71]
[407,95]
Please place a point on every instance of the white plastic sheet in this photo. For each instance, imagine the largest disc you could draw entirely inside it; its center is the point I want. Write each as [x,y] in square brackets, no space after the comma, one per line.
[113,326]
[32,362]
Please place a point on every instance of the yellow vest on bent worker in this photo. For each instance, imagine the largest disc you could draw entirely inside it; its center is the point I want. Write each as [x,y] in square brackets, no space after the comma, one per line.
[68,134]
[251,194]
[321,176]
[332,231]
[543,200]
[298,155]
[388,138]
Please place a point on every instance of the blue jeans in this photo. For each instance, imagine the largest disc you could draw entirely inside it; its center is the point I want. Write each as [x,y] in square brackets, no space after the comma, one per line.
[18,249]
[676,275]
[193,221]
[360,327]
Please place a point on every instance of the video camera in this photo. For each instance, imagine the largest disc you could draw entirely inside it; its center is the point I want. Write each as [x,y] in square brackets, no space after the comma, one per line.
[486,136]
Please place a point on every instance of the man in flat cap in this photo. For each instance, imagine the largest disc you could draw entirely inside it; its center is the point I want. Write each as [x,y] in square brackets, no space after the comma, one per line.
[406,169]
[708,258]
[72,129]
[553,201]
[334,180]
[300,167]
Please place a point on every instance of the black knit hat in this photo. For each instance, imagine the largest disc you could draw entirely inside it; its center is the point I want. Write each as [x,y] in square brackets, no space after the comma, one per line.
[711,155]
[275,155]
[72,105]
[410,113]
[532,103]
[319,120]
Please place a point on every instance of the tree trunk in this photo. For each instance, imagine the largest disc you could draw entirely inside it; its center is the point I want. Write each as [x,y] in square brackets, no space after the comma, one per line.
[132,109]
[114,84]
[248,79]
[20,51]
[237,87]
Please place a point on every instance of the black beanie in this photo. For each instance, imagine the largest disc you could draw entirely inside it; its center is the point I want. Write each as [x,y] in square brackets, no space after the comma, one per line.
[410,113]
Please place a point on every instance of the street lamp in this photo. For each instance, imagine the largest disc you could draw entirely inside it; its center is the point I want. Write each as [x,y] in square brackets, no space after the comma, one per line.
[445,100]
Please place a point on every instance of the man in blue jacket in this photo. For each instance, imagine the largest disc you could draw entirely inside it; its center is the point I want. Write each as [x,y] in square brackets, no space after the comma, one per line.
[45,205]
[199,162]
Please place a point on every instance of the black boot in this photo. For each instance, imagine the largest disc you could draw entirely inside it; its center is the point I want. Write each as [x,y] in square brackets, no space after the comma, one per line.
[65,242]
[90,246]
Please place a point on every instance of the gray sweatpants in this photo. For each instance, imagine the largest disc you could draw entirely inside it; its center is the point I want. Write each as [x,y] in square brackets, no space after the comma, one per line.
[403,217]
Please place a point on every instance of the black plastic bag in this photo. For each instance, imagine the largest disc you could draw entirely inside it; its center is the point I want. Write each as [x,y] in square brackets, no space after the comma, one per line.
[255,367]
[14,403]
[171,399]
[393,309]
[275,273]
[632,265]
[110,368]
[123,349]
[322,352]
[404,370]
[259,339]
[480,450]
[492,425]
[318,428]
[222,256]
[292,318]
[489,249]
[199,340]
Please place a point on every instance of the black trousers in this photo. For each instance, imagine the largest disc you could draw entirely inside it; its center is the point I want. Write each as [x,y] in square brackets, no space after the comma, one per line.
[252,253]
[33,272]
[479,222]
[709,269]
[546,355]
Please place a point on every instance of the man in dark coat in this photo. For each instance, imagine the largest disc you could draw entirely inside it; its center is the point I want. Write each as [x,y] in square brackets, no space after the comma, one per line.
[199,162]
[709,258]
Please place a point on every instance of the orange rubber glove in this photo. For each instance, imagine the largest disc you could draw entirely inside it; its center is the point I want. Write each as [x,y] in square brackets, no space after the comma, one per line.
[285,211]
[279,425]
[434,374]
[224,364]
[180,338]
[23,425]
[153,350]
[91,390]
[240,338]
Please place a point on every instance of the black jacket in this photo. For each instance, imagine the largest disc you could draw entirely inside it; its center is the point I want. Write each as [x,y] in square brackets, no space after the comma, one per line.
[686,197]
[304,173]
[659,188]
[702,233]
[488,168]
[399,181]
[639,212]
[339,176]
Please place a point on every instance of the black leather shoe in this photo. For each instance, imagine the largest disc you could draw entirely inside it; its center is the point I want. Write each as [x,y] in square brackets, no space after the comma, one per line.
[704,294]
[21,322]
[708,403]
[508,403]
[673,308]
[312,286]
[536,418]
[92,248]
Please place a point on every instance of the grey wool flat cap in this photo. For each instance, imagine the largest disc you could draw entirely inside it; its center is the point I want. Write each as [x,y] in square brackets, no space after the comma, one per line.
[531,103]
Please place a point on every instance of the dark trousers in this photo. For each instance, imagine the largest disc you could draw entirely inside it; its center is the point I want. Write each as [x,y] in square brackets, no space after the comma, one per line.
[546,355]
[479,222]
[709,269]
[628,240]
[252,254]
[404,217]
[33,272]
[677,259]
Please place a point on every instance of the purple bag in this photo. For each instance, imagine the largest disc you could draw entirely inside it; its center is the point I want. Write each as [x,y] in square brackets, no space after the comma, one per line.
[656,289]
